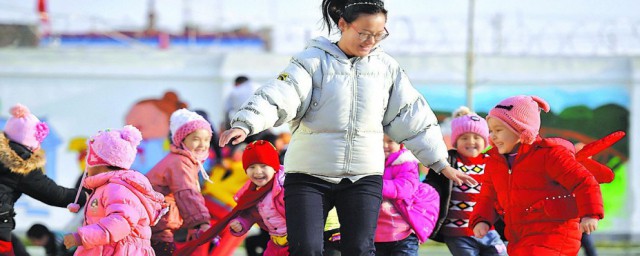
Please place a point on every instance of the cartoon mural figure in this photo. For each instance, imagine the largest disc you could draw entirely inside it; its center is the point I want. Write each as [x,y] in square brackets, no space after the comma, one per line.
[151,117]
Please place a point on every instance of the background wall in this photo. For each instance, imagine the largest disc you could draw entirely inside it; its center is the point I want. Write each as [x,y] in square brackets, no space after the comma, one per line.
[80,91]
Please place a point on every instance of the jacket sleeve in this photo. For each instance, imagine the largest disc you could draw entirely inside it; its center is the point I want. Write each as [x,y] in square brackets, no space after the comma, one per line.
[246,220]
[42,188]
[409,120]
[278,101]
[566,170]
[484,210]
[121,213]
[404,183]
[185,188]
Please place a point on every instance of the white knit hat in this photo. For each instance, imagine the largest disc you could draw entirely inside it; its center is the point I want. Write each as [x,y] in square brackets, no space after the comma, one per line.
[183,122]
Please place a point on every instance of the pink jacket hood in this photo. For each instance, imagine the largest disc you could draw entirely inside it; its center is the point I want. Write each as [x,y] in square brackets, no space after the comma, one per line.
[137,183]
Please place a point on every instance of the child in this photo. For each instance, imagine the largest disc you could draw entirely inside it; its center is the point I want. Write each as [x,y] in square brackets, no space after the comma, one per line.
[122,206]
[21,163]
[546,197]
[261,200]
[409,208]
[339,98]
[261,162]
[176,177]
[52,243]
[469,137]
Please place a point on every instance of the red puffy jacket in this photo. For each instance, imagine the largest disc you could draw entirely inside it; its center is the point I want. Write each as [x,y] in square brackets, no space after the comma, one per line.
[541,197]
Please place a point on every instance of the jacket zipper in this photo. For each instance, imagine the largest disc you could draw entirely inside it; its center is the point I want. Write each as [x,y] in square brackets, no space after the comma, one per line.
[350,126]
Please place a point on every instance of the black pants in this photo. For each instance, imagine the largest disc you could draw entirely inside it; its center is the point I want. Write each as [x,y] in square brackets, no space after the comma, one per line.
[357,204]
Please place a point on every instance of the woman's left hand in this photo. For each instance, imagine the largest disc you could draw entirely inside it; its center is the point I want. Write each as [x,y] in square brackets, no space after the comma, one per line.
[458,177]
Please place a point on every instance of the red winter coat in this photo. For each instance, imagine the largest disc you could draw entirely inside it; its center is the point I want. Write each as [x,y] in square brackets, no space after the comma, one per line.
[541,197]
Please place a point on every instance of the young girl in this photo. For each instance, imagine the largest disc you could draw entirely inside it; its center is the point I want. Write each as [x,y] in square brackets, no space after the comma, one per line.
[409,208]
[339,98]
[469,136]
[261,200]
[546,197]
[261,162]
[123,205]
[176,177]
[21,163]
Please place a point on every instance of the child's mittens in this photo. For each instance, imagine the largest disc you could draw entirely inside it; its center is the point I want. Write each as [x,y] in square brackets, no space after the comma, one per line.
[72,240]
[73,207]
[235,226]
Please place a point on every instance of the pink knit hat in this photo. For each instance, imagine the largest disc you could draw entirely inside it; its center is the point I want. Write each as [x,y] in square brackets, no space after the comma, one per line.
[465,121]
[114,147]
[521,114]
[25,128]
[183,122]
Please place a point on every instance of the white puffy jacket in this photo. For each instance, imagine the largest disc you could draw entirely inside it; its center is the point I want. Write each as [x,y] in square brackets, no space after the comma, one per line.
[338,109]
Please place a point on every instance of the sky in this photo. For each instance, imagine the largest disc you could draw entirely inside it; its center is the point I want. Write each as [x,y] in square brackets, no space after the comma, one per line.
[84,15]
[544,27]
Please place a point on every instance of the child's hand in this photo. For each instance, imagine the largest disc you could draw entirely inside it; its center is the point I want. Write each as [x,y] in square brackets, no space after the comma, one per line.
[235,226]
[70,241]
[238,135]
[458,177]
[480,230]
[194,233]
[588,225]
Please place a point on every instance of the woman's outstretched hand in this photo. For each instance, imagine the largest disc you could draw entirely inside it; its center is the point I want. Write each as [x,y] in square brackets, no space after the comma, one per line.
[236,134]
[458,177]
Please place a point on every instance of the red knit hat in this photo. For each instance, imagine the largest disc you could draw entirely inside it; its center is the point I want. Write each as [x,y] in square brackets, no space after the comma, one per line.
[521,114]
[260,152]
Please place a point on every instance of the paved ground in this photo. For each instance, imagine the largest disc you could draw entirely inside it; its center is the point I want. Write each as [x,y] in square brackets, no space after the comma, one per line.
[441,250]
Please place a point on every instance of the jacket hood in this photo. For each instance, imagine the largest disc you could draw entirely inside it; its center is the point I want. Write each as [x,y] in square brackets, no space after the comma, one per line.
[139,185]
[331,48]
[400,157]
[12,161]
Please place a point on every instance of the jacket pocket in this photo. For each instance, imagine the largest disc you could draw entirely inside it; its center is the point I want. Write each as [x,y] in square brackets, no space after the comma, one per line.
[561,207]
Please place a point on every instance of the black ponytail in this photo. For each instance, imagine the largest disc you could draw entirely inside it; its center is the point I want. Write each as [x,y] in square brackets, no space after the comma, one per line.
[349,10]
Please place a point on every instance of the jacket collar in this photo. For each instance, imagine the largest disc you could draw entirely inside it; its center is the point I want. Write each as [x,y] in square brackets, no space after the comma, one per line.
[12,161]
[331,48]
[183,152]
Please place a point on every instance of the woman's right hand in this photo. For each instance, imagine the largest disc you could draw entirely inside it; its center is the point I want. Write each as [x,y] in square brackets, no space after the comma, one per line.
[238,135]
[235,226]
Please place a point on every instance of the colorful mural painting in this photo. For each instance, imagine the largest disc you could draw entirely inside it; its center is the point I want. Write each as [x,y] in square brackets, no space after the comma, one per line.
[579,113]
[151,117]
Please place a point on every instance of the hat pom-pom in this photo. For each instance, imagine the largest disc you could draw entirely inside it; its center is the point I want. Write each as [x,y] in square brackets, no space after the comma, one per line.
[19,111]
[131,134]
[42,130]
[73,207]
[461,111]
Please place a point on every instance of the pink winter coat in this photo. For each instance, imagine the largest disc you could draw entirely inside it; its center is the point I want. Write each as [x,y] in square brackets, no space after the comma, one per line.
[418,203]
[118,214]
[176,177]
[250,216]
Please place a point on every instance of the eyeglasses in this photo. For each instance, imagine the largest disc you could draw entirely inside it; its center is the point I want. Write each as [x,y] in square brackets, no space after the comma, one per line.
[366,36]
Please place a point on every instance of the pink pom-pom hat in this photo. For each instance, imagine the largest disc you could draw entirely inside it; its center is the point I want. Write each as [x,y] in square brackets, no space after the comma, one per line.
[25,128]
[521,114]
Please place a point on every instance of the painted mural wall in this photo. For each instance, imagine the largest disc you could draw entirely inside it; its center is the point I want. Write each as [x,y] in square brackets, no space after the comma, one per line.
[79,93]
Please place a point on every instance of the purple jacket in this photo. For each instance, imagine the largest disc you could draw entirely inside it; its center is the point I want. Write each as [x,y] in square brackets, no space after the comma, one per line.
[118,214]
[250,216]
[418,203]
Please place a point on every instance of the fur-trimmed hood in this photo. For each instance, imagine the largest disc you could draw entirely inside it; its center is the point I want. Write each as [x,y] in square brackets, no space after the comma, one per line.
[12,161]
